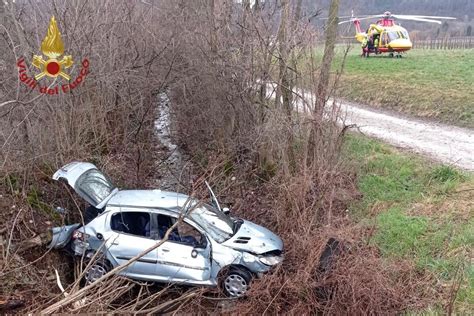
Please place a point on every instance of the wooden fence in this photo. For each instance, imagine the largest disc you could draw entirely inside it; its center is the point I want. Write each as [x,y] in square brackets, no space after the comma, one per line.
[464,42]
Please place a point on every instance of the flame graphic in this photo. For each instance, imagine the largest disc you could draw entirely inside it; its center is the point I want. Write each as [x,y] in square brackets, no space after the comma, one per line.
[52,45]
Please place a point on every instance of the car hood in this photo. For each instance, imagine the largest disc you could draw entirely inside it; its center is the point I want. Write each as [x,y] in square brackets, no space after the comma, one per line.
[255,239]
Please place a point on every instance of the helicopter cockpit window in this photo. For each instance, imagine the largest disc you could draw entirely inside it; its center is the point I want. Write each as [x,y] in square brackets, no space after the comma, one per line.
[405,34]
[393,36]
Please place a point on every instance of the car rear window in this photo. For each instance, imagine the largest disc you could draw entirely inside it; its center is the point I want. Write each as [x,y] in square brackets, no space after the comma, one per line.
[95,186]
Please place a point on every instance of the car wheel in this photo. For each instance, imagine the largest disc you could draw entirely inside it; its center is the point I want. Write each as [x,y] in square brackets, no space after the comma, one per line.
[236,282]
[96,270]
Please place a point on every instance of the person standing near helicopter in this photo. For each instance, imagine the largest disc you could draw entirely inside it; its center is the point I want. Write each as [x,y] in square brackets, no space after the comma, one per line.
[367,44]
[374,30]
[364,47]
[370,45]
[376,43]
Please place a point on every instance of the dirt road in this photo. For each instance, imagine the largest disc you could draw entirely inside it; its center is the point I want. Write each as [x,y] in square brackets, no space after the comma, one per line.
[447,144]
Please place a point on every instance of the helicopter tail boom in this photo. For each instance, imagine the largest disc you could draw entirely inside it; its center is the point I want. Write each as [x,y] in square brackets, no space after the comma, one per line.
[357,26]
[359,34]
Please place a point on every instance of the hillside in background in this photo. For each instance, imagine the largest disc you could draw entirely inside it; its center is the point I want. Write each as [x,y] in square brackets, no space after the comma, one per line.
[463,9]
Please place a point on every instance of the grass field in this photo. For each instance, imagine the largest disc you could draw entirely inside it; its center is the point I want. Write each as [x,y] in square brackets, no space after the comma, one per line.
[436,84]
[422,212]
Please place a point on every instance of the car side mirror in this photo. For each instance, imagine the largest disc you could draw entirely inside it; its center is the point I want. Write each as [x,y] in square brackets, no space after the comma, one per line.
[226,210]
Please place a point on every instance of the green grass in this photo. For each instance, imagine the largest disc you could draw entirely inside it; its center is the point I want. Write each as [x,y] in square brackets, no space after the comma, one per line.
[422,211]
[435,84]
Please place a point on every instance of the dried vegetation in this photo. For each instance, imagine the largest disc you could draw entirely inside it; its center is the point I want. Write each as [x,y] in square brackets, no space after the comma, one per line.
[279,166]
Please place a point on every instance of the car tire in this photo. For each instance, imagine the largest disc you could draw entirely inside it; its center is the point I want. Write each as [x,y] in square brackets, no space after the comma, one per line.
[235,282]
[96,270]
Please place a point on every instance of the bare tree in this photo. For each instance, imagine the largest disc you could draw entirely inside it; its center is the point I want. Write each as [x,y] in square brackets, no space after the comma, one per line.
[324,74]
[284,83]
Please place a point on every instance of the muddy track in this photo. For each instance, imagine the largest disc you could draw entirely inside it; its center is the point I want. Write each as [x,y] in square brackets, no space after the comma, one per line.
[443,143]
[447,144]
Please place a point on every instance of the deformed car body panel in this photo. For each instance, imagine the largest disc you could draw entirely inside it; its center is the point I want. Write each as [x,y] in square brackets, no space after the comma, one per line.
[255,239]
[92,185]
[223,242]
[177,262]
[148,199]
[62,235]
[170,262]
[72,171]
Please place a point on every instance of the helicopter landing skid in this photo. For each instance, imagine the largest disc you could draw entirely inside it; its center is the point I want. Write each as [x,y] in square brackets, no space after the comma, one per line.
[396,55]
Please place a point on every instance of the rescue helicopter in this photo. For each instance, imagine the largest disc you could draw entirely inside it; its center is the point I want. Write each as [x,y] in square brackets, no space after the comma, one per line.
[385,36]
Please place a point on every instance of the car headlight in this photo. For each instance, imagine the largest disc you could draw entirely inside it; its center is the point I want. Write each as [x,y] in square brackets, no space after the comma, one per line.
[271,260]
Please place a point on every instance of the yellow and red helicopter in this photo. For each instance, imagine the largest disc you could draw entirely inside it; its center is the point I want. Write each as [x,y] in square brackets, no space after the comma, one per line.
[385,36]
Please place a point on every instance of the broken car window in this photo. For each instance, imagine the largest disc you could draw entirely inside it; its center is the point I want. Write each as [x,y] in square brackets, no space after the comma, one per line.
[217,224]
[134,223]
[182,233]
[95,186]
[188,234]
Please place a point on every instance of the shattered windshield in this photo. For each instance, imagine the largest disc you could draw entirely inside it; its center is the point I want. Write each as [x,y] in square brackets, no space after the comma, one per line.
[217,224]
[94,186]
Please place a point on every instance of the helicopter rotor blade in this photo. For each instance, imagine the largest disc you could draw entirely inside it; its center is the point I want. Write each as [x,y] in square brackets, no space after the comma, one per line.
[339,17]
[425,17]
[360,19]
[342,22]
[417,19]
[347,17]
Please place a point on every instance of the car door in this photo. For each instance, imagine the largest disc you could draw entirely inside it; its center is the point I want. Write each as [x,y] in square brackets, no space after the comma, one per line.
[91,184]
[131,233]
[186,255]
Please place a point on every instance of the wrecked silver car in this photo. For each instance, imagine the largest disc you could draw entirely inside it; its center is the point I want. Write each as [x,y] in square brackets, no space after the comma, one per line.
[206,247]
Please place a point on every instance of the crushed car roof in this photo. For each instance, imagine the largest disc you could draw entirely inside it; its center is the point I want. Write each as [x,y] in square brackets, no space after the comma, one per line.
[148,198]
